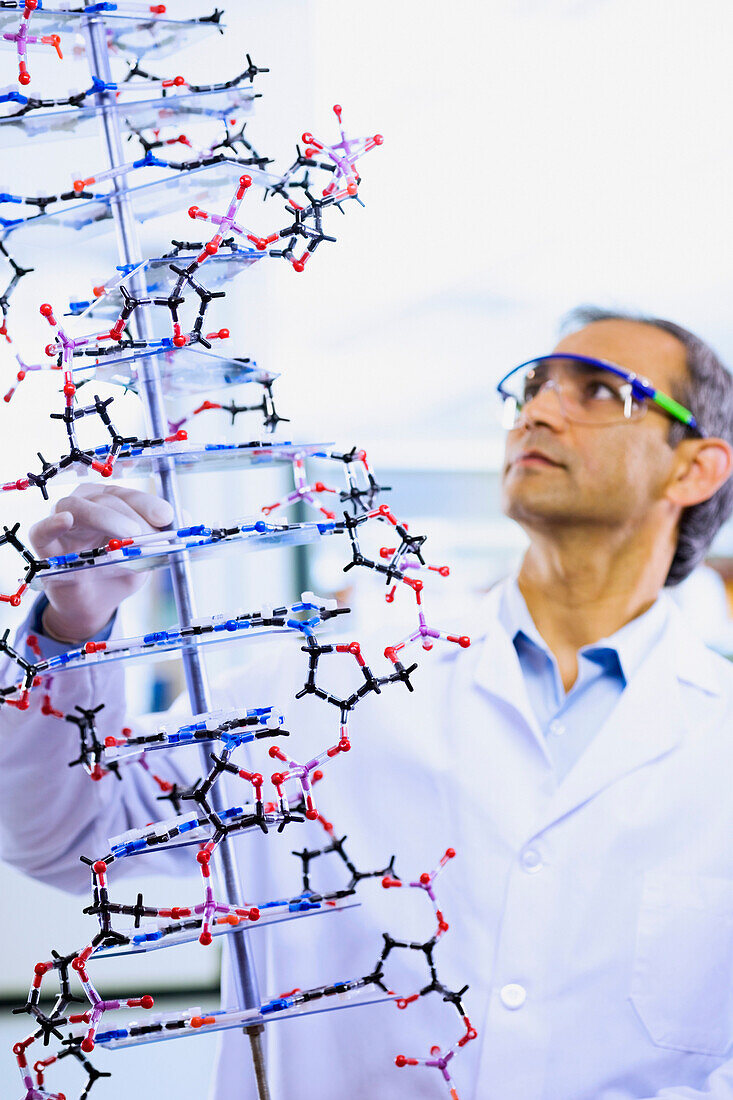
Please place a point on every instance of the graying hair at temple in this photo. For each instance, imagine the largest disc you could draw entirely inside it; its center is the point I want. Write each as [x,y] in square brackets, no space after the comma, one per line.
[708,394]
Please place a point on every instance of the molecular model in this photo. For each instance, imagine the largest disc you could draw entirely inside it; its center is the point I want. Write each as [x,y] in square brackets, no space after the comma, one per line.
[151,328]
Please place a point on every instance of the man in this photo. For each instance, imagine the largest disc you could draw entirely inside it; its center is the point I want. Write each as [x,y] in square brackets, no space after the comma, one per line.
[578,756]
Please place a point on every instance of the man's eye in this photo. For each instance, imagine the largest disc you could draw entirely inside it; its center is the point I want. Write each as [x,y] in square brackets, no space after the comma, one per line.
[596,390]
[531,389]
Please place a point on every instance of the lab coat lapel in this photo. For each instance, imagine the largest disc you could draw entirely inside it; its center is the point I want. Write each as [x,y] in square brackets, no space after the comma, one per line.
[646,723]
[499,673]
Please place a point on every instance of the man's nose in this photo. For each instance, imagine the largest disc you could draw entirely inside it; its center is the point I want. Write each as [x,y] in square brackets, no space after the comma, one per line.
[545,407]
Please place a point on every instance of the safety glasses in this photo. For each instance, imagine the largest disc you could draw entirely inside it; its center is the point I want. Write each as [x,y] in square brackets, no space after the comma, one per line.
[590,391]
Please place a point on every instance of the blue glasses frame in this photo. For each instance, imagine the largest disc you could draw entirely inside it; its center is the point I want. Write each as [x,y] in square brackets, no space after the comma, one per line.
[641,388]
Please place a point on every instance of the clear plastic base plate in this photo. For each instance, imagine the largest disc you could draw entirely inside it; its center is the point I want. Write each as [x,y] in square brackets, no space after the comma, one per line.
[267,917]
[224,1019]
[128,33]
[135,111]
[221,268]
[149,200]
[195,457]
[182,370]
[166,550]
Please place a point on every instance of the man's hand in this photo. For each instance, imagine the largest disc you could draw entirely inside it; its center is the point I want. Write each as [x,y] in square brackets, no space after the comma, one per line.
[82,605]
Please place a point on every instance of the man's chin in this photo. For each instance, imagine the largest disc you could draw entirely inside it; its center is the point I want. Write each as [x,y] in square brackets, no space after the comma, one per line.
[536,508]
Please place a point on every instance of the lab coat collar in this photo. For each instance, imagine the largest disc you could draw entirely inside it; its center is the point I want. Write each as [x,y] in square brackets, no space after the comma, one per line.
[630,644]
[497,670]
[690,658]
[648,721]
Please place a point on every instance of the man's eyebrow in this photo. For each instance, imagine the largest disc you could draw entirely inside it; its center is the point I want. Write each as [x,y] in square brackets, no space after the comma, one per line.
[592,363]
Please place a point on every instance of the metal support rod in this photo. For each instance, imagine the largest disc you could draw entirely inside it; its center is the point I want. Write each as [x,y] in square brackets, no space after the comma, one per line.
[151,394]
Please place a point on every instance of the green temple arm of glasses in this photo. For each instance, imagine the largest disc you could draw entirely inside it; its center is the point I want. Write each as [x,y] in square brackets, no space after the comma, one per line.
[679,412]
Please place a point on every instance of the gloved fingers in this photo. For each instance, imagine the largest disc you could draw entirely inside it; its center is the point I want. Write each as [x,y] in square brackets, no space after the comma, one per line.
[95,522]
[156,511]
[43,533]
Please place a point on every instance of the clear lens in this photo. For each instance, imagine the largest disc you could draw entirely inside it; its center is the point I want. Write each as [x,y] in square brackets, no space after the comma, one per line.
[588,393]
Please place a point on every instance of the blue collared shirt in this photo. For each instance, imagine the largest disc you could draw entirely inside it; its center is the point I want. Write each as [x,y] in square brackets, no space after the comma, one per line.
[569,721]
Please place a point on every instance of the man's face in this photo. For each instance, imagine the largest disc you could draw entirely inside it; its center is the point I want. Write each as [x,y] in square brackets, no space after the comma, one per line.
[557,471]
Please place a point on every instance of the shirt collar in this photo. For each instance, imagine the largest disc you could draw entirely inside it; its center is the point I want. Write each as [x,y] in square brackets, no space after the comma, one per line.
[631,643]
[687,658]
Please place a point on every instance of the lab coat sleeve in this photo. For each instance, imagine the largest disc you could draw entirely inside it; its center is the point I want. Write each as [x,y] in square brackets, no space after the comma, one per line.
[50,812]
[719,1086]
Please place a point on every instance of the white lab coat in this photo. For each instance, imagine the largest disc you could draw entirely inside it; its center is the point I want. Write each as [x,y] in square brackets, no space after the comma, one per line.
[604,903]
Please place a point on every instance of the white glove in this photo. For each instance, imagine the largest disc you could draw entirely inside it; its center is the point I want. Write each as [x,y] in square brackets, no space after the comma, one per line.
[81,605]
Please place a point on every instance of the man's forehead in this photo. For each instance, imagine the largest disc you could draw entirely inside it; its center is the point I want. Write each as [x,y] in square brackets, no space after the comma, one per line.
[638,347]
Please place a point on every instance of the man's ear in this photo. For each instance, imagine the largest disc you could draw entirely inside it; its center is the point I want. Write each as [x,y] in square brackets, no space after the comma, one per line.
[704,465]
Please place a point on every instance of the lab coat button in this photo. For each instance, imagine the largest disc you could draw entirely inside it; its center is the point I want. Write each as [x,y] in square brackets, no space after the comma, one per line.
[556,727]
[531,860]
[513,996]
